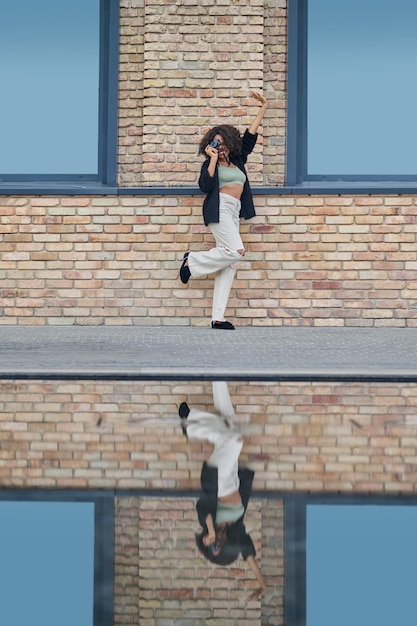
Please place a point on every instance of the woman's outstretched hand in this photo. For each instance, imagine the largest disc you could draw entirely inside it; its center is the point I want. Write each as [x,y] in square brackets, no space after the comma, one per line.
[260,591]
[258,594]
[258,96]
[253,128]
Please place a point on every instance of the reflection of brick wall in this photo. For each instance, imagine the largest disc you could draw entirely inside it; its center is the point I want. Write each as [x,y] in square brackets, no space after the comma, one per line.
[161,576]
[126,561]
[298,437]
[322,437]
[273,562]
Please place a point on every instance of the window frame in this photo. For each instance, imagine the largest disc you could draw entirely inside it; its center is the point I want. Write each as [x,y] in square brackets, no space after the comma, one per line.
[109,16]
[104,548]
[296,166]
[295,544]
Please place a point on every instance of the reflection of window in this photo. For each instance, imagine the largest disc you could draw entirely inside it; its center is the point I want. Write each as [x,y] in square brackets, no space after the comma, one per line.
[361,561]
[54,72]
[352,90]
[351,562]
[51,566]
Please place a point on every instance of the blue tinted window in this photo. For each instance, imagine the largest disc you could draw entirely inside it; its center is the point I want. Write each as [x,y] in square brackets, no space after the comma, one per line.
[361,87]
[361,565]
[46,563]
[49,73]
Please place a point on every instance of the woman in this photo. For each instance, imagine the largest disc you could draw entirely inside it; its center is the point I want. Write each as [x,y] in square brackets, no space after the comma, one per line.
[228,197]
[226,488]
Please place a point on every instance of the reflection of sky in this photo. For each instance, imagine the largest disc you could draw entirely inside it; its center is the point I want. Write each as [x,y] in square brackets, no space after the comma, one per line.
[46,563]
[49,77]
[361,565]
[362,87]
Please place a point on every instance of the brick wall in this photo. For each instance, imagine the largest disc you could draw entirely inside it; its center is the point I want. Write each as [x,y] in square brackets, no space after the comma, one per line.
[184,64]
[333,260]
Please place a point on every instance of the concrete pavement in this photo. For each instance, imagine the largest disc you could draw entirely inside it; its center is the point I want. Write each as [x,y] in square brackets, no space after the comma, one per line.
[193,353]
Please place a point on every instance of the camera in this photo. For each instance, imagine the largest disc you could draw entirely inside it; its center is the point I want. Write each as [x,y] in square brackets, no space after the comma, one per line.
[215,144]
[213,547]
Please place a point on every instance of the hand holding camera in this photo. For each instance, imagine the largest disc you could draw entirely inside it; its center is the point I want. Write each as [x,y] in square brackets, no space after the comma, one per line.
[212,148]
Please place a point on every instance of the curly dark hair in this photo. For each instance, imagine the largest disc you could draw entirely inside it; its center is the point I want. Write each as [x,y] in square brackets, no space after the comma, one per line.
[229,552]
[231,137]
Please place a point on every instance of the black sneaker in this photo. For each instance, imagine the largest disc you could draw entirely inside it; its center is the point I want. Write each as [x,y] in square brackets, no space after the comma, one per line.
[223,325]
[185,270]
[183,412]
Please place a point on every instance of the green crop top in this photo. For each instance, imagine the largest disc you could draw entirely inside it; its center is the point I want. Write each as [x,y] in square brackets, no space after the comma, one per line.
[228,512]
[230,176]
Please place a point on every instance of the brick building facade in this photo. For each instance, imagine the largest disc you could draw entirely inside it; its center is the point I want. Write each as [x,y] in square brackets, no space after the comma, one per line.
[313,259]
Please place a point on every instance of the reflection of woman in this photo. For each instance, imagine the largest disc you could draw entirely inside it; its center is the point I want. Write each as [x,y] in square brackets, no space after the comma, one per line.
[228,197]
[226,488]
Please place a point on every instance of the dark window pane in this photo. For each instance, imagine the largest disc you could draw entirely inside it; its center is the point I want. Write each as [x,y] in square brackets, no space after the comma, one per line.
[47,563]
[49,73]
[362,87]
[361,565]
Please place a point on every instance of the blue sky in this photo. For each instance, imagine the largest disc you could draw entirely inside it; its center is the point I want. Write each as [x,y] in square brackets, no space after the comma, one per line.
[362,87]
[49,66]
[46,562]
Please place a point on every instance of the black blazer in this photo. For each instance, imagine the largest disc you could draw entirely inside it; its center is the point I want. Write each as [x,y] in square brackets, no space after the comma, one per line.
[236,532]
[210,184]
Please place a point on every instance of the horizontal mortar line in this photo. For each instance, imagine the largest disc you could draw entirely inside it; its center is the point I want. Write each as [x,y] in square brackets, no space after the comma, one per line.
[198,374]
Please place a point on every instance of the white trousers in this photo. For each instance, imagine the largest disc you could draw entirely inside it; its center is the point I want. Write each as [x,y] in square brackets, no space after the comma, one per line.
[221,431]
[221,258]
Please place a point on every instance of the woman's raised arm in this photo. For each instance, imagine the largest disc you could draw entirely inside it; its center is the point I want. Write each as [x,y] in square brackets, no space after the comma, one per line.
[259,592]
[258,119]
